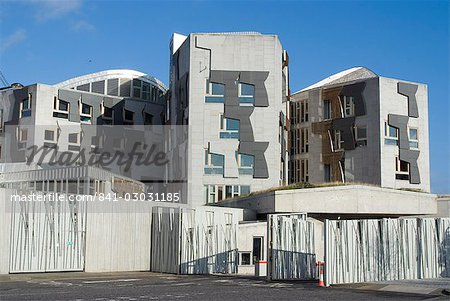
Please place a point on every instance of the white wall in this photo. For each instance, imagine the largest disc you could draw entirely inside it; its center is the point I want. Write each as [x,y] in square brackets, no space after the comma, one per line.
[393,103]
[245,243]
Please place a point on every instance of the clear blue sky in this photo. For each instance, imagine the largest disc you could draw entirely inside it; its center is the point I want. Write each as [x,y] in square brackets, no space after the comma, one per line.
[50,41]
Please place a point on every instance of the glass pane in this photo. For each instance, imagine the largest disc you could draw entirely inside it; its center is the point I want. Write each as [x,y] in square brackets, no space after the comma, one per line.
[86,109]
[362,133]
[247,160]
[247,90]
[245,189]
[136,83]
[413,134]
[392,131]
[63,105]
[217,160]
[232,125]
[218,89]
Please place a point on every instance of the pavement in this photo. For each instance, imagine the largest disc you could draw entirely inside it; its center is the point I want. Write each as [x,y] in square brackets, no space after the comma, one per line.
[153,286]
[426,287]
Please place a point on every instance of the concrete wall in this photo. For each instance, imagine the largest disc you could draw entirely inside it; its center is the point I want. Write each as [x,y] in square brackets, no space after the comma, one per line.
[391,102]
[5,230]
[443,206]
[356,200]
[245,243]
[118,236]
[234,53]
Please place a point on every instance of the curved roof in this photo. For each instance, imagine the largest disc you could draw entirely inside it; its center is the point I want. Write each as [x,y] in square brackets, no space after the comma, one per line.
[109,74]
[352,74]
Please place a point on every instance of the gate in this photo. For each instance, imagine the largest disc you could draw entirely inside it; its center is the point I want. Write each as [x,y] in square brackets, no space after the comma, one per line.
[47,235]
[291,247]
[386,249]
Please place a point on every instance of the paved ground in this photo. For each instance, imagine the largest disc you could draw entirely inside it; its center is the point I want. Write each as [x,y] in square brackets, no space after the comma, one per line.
[422,286]
[150,286]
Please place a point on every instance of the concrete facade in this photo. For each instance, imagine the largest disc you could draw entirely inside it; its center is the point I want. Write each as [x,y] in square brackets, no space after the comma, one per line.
[356,126]
[230,63]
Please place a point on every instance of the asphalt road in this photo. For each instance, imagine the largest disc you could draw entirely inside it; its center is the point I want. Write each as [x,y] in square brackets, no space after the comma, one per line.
[150,286]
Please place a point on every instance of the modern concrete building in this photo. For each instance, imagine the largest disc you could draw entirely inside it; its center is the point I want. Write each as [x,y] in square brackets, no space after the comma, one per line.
[78,114]
[356,126]
[231,92]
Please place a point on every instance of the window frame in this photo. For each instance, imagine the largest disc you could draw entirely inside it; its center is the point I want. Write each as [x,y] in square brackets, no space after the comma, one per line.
[26,112]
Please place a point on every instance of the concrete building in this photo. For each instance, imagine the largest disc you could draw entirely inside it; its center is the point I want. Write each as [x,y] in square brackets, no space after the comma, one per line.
[356,126]
[230,91]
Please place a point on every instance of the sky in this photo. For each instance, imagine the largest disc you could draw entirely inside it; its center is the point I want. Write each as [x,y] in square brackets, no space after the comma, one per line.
[51,41]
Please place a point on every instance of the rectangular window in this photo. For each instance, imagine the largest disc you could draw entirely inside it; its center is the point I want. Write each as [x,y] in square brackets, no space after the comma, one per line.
[85,113]
[360,133]
[60,108]
[108,115]
[401,169]
[246,93]
[391,134]
[214,163]
[137,88]
[148,119]
[326,109]
[257,249]
[128,117]
[304,140]
[245,258]
[229,128]
[327,172]
[349,106]
[73,138]
[215,92]
[22,138]
[49,135]
[304,172]
[413,138]
[245,163]
[146,91]
[338,142]
[25,106]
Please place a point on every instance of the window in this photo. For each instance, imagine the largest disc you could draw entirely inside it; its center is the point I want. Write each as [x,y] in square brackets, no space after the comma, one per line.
[146,91]
[73,138]
[49,135]
[245,258]
[401,169]
[303,111]
[137,88]
[338,143]
[108,115]
[125,87]
[360,135]
[245,163]
[391,134]
[413,138]
[304,172]
[22,138]
[304,140]
[85,113]
[326,109]
[257,249]
[327,172]
[214,163]
[215,93]
[229,128]
[148,119]
[60,108]
[215,193]
[349,106]
[128,117]
[25,107]
[246,93]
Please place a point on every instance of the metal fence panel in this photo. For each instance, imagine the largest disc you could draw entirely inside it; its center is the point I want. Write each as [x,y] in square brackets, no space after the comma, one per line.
[292,249]
[386,249]
[47,236]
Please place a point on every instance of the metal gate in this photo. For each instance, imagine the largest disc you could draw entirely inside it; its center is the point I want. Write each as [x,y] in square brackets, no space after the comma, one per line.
[386,249]
[47,235]
[291,247]
[208,242]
